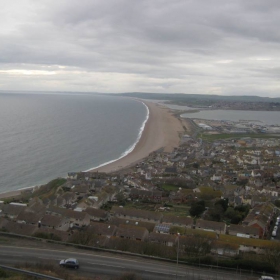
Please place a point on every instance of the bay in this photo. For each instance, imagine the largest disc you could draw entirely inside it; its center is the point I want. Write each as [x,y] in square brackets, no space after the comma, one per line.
[44,136]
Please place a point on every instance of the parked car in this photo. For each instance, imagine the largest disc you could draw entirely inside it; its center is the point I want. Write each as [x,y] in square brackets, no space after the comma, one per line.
[69,263]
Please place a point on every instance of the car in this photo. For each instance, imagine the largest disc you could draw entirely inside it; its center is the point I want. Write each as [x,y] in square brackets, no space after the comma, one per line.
[70,263]
[266,278]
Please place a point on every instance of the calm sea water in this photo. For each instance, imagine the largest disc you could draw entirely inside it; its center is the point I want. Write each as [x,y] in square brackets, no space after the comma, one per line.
[266,117]
[44,136]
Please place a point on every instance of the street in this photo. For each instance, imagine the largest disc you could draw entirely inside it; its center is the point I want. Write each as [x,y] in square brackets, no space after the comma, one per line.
[98,263]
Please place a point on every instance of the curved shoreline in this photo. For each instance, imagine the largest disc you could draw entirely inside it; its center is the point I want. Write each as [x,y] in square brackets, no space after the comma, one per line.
[132,147]
[161,131]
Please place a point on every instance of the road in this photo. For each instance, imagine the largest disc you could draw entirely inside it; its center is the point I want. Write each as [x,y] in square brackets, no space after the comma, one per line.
[99,263]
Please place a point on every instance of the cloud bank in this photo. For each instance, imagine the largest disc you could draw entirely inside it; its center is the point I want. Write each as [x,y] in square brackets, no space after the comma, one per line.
[188,46]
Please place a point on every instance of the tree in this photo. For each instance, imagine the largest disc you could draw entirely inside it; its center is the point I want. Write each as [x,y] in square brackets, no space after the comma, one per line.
[196,165]
[46,235]
[237,214]
[216,213]
[272,255]
[230,213]
[121,198]
[243,208]
[277,203]
[176,229]
[195,246]
[233,215]
[83,237]
[197,208]
[237,218]
[223,203]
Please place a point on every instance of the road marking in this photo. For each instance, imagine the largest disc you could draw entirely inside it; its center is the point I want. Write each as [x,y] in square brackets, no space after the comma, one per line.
[107,265]
[165,273]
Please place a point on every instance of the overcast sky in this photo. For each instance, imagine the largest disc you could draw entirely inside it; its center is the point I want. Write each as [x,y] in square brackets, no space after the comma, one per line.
[189,46]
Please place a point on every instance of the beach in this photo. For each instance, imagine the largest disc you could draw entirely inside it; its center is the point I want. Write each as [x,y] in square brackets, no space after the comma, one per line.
[161,131]
[10,194]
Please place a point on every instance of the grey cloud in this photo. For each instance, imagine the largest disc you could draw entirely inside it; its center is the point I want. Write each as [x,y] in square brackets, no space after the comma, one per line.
[190,45]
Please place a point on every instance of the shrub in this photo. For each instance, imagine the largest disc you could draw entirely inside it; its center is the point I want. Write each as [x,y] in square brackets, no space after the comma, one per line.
[3,274]
[45,235]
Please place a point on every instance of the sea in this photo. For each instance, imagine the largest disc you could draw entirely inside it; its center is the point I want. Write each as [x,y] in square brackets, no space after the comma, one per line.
[44,136]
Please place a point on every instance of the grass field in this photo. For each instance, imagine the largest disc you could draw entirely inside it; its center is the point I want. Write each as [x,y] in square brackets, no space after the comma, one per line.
[170,188]
[207,193]
[178,210]
[140,206]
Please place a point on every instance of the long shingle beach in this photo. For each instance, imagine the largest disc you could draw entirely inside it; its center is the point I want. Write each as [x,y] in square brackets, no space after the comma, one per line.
[161,131]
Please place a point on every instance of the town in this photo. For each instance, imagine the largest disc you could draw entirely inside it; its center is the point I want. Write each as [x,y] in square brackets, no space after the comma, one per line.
[212,199]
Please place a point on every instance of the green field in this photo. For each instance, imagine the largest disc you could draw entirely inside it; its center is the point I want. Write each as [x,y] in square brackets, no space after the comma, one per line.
[170,188]
[140,206]
[178,210]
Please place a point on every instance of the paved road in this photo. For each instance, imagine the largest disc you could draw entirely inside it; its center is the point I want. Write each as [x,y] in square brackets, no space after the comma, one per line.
[97,263]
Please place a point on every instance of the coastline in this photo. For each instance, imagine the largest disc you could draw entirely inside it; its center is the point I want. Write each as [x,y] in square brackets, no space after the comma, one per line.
[16,193]
[10,194]
[131,148]
[161,131]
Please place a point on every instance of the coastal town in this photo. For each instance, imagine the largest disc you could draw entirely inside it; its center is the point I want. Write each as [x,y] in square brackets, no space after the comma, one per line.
[140,140]
[210,197]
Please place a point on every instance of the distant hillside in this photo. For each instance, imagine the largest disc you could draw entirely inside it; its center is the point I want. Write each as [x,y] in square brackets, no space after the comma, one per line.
[199,98]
